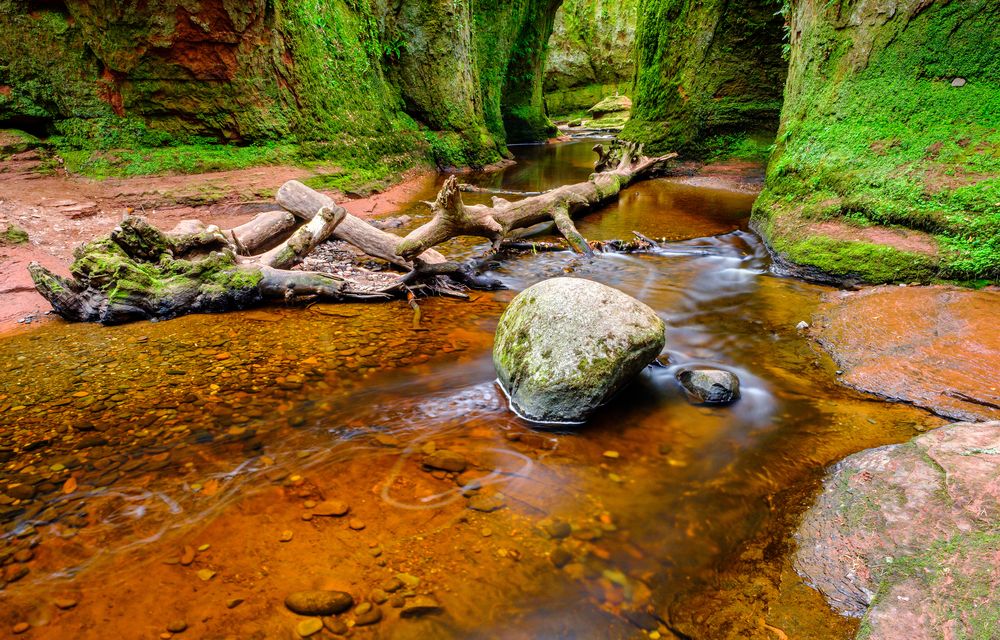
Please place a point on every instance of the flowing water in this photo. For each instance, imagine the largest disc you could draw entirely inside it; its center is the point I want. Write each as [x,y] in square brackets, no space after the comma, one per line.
[162,471]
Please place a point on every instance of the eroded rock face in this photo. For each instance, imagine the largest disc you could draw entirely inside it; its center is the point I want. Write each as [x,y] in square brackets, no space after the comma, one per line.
[351,76]
[564,347]
[908,536]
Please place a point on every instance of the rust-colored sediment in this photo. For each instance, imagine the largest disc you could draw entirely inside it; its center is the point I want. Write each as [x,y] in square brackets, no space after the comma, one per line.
[937,347]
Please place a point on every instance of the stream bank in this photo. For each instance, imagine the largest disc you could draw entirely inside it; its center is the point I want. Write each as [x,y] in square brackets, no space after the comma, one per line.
[129,449]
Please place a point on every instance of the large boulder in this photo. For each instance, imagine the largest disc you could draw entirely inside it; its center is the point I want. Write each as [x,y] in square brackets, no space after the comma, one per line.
[907,536]
[566,345]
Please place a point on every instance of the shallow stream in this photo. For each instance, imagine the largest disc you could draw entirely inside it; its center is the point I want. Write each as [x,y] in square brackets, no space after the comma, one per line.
[125,451]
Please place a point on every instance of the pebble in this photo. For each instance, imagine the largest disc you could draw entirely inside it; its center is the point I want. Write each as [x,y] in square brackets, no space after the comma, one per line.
[560,557]
[309,504]
[309,627]
[379,596]
[205,575]
[21,627]
[319,603]
[557,529]
[446,460]
[419,606]
[356,524]
[204,547]
[397,601]
[187,557]
[366,614]
[336,626]
[286,536]
[486,504]
[391,585]
[64,603]
[333,508]
[612,455]
[177,626]
[232,603]
[406,579]
[802,326]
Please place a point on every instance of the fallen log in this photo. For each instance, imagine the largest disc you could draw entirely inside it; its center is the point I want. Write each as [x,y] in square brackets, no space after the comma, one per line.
[622,165]
[138,271]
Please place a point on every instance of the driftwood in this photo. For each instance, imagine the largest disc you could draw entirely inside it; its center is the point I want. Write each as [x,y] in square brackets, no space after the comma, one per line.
[138,271]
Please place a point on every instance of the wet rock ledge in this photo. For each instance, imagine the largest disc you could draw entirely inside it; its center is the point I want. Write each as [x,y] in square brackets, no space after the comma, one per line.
[907,537]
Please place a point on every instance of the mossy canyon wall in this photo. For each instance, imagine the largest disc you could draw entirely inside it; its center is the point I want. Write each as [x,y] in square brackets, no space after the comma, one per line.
[372,83]
[591,54]
[706,68]
[887,163]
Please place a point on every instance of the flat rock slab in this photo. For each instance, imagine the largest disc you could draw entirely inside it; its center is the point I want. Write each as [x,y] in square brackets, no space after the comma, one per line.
[908,536]
[937,347]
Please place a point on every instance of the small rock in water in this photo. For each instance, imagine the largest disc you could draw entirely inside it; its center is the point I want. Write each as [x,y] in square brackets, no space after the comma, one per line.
[232,603]
[612,455]
[21,627]
[419,606]
[486,503]
[557,529]
[393,584]
[356,524]
[710,386]
[205,575]
[309,627]
[187,557]
[366,614]
[802,326]
[408,580]
[334,508]
[286,536]
[560,558]
[378,596]
[64,603]
[336,626]
[445,460]
[177,626]
[319,603]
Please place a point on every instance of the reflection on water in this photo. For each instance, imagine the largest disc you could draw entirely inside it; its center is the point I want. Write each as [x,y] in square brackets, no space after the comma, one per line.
[121,448]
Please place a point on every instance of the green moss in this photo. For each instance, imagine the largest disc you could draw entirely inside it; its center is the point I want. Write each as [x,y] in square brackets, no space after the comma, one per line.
[13,235]
[970,597]
[924,155]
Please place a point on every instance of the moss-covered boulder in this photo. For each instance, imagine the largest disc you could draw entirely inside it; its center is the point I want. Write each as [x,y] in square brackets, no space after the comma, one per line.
[906,536]
[705,68]
[565,346]
[887,163]
[590,54]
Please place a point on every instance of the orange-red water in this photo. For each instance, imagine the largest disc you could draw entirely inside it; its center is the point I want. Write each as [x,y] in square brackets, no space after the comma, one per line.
[139,441]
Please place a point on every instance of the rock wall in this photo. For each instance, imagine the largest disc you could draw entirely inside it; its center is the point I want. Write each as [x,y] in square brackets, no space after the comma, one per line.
[705,67]
[368,80]
[887,162]
[591,53]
